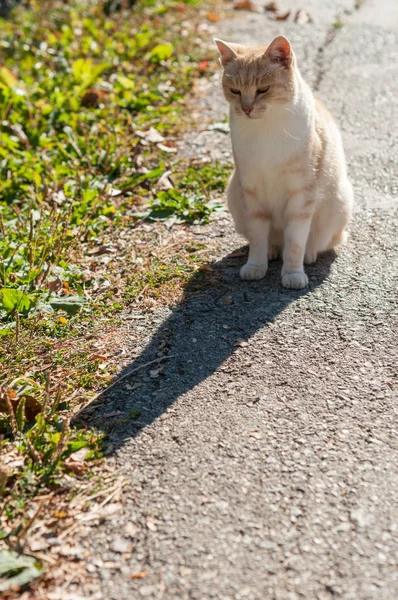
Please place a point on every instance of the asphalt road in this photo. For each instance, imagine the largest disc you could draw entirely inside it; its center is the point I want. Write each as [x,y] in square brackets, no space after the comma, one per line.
[265,465]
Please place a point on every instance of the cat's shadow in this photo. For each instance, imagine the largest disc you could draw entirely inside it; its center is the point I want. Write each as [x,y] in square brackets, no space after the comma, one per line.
[217,313]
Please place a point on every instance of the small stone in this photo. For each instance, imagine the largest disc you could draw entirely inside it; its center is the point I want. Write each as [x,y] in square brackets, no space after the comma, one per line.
[148,590]
[131,530]
[359,517]
[90,568]
[151,525]
[121,546]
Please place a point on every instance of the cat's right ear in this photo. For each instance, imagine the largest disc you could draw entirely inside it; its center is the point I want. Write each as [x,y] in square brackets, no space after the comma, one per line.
[227,53]
[279,51]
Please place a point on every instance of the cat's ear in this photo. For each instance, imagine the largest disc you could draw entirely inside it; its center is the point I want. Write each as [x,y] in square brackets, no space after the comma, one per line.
[279,51]
[227,52]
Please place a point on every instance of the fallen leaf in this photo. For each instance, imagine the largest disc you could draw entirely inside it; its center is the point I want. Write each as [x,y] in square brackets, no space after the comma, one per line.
[17,570]
[32,407]
[245,5]
[97,357]
[203,66]
[227,300]
[11,393]
[55,285]
[59,514]
[166,148]
[99,250]
[213,17]
[152,135]
[271,7]
[79,455]
[70,304]
[255,434]
[164,182]
[237,254]
[283,16]
[90,98]
[151,525]
[78,468]
[139,575]
[302,17]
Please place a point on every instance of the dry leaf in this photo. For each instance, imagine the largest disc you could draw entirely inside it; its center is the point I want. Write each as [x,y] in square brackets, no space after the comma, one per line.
[139,575]
[302,17]
[152,135]
[203,66]
[55,285]
[282,17]
[227,300]
[79,455]
[10,393]
[271,7]
[77,468]
[213,17]
[32,407]
[245,5]
[237,254]
[151,525]
[166,148]
[97,357]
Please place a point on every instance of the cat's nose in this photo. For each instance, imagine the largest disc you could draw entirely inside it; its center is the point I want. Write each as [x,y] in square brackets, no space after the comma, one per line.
[247,110]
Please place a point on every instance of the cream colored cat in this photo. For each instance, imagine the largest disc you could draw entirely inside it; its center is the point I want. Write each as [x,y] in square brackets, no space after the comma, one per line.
[289,191]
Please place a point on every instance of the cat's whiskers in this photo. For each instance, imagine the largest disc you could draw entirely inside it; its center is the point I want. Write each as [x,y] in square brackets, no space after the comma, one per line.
[290,135]
[290,110]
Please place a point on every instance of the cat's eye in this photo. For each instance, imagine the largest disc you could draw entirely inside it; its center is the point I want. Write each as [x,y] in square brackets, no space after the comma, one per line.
[263,90]
[236,92]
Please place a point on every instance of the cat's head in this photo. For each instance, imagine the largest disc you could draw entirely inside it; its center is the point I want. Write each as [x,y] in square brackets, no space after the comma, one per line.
[257,77]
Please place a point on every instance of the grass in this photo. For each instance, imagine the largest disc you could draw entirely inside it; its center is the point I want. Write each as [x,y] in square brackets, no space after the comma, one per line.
[92,102]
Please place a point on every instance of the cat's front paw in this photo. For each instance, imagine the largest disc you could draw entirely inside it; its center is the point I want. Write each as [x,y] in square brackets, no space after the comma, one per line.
[251,272]
[295,281]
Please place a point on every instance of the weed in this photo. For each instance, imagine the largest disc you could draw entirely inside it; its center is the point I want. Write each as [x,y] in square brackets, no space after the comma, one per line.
[82,91]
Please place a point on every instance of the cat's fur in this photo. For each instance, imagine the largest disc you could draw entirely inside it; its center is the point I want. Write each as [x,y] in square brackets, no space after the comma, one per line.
[289,192]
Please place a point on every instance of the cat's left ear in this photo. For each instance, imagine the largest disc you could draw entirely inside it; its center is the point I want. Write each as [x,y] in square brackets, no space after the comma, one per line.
[279,51]
[227,53]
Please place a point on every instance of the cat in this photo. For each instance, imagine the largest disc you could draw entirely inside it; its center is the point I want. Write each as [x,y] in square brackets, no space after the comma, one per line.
[289,193]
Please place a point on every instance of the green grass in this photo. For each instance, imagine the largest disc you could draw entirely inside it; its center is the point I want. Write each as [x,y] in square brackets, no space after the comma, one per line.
[80,88]
[75,93]
[338,23]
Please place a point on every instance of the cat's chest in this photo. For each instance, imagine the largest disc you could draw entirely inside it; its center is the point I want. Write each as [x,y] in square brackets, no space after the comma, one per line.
[263,151]
[261,165]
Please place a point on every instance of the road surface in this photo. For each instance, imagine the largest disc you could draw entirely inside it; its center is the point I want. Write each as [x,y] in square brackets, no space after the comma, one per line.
[265,462]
